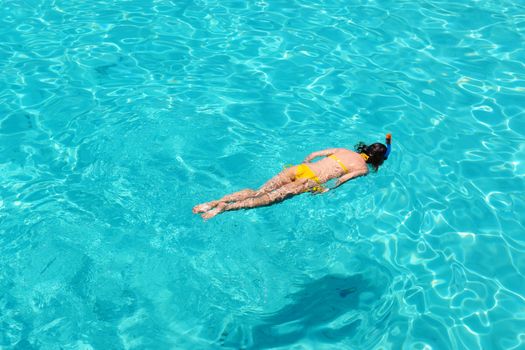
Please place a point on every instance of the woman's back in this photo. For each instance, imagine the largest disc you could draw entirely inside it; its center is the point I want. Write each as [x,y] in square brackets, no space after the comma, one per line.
[329,168]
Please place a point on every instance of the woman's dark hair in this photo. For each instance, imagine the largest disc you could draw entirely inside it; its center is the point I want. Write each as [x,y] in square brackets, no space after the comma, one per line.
[375,152]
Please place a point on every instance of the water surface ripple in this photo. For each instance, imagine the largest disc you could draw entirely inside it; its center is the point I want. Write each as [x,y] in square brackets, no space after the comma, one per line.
[116,117]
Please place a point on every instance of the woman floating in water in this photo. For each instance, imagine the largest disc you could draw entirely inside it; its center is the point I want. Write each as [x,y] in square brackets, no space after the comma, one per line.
[339,163]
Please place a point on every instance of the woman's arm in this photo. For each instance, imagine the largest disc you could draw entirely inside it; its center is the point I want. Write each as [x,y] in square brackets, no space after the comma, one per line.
[325,152]
[349,176]
[343,179]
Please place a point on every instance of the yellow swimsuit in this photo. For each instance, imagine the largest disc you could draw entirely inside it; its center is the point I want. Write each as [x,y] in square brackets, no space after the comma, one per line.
[339,162]
[304,172]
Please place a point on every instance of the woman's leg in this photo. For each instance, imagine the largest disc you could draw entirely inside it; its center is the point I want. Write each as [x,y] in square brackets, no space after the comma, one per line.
[284,177]
[237,196]
[278,195]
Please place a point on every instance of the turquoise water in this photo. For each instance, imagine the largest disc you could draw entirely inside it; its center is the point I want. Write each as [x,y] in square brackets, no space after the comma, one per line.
[117,117]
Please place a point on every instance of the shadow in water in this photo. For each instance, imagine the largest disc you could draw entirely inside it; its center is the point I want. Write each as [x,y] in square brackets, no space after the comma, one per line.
[325,310]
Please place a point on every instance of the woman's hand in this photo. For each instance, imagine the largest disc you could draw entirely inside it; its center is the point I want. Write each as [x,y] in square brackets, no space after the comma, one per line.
[323,190]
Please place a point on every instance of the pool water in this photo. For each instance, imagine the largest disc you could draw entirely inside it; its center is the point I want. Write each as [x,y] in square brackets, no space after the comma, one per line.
[117,117]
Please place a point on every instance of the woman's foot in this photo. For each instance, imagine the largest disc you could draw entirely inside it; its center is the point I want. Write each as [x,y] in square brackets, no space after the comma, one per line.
[211,213]
[202,208]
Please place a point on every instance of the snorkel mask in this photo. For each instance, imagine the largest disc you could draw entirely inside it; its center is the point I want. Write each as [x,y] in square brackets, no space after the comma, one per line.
[388,140]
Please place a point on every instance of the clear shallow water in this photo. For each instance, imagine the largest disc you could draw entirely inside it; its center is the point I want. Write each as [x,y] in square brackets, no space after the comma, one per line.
[117,118]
